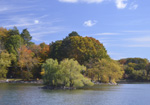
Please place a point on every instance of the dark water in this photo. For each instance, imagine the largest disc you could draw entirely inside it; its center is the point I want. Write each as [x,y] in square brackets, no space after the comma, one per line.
[124,94]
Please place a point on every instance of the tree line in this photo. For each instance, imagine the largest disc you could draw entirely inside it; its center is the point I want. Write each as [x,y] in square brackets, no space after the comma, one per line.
[137,69]
[72,61]
[19,56]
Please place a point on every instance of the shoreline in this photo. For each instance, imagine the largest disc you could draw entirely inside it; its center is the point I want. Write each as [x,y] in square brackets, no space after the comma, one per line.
[131,81]
[22,81]
[41,82]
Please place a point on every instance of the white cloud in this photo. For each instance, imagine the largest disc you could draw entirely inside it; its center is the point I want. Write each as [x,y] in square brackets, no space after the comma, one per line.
[38,27]
[19,21]
[133,6]
[36,21]
[89,23]
[38,33]
[121,4]
[107,34]
[86,1]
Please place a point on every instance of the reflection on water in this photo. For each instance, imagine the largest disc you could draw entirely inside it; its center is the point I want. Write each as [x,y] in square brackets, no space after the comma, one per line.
[123,94]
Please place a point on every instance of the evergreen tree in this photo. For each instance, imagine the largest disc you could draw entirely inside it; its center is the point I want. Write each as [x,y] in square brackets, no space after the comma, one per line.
[26,36]
[14,31]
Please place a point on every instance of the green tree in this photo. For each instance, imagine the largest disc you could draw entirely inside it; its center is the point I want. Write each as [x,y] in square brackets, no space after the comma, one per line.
[148,69]
[55,51]
[129,70]
[51,69]
[139,75]
[13,43]
[73,33]
[80,48]
[5,62]
[116,71]
[71,74]
[14,31]
[3,38]
[67,73]
[136,68]
[104,70]
[26,36]
[93,69]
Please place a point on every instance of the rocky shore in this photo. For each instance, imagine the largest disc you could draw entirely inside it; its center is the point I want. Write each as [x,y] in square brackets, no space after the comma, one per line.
[21,81]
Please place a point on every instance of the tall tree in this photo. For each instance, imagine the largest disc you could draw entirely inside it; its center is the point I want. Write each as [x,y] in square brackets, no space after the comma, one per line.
[70,72]
[50,69]
[26,36]
[35,49]
[45,50]
[14,31]
[5,62]
[3,37]
[26,62]
[13,43]
[73,33]
[55,51]
[79,48]
[104,70]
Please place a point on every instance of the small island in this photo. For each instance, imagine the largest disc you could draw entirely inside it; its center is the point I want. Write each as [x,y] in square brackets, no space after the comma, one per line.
[71,63]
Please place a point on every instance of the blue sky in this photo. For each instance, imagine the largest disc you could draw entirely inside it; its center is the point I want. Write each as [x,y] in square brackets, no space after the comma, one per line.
[123,26]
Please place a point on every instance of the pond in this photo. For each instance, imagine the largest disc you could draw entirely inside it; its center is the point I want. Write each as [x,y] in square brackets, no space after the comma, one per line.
[29,94]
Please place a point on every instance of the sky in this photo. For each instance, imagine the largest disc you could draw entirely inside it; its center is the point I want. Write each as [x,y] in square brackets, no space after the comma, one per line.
[123,26]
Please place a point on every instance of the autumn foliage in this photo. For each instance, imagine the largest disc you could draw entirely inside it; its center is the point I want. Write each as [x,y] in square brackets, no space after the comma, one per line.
[21,58]
[80,48]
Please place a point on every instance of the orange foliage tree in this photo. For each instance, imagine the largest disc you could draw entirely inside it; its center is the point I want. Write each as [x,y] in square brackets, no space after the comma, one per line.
[26,62]
[45,50]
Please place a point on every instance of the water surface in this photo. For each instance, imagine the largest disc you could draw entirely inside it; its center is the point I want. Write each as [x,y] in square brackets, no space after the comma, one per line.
[123,94]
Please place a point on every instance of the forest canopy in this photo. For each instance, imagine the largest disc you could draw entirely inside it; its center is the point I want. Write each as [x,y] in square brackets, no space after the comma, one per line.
[136,69]
[80,48]
[72,61]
